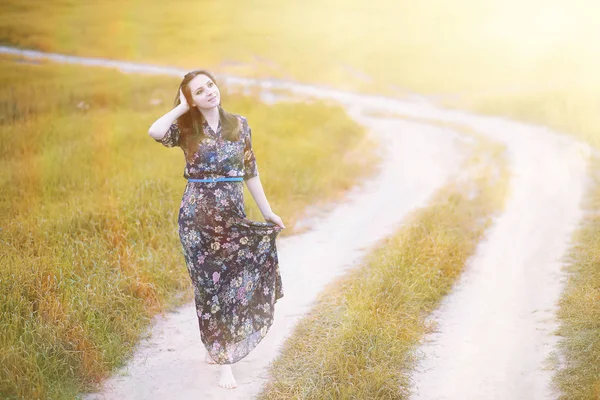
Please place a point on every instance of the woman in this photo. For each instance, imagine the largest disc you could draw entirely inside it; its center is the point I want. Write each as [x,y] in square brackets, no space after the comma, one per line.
[232,260]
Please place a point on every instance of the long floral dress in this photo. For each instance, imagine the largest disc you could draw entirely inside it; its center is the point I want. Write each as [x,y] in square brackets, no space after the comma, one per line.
[232,260]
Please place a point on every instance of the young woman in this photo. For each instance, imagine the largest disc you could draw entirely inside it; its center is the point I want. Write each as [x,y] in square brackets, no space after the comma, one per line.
[232,260]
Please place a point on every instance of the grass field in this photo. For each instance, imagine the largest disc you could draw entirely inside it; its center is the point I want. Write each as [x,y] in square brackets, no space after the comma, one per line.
[579,378]
[358,342]
[534,60]
[89,249]
[471,46]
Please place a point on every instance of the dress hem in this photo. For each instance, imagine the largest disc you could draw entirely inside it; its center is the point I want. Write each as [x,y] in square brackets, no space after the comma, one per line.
[245,355]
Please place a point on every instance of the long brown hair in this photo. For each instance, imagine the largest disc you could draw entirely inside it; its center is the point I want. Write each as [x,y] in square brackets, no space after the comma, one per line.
[190,123]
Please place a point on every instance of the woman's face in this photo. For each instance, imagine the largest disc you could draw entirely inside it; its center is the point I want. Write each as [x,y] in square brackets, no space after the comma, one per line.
[205,93]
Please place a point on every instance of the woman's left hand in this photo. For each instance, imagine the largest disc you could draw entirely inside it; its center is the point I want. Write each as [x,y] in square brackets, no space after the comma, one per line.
[272,217]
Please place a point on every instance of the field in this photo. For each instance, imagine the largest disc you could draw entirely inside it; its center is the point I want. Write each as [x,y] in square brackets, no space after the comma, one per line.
[88,212]
[535,61]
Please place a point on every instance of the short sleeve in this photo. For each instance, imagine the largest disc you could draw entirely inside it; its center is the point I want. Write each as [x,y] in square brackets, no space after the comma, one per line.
[171,139]
[250,167]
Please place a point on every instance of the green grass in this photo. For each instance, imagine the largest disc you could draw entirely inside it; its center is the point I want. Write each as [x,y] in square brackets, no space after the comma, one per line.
[89,249]
[359,340]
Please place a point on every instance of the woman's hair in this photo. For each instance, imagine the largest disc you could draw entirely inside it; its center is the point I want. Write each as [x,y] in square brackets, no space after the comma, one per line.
[190,123]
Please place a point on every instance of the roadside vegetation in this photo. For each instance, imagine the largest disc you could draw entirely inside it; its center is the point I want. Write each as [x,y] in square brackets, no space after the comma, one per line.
[360,338]
[89,249]
[579,361]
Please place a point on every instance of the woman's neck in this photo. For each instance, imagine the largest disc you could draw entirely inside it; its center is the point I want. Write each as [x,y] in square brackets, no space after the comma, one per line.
[211,116]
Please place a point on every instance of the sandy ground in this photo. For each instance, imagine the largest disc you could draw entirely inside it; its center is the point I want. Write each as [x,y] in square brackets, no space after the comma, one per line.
[494,331]
[170,363]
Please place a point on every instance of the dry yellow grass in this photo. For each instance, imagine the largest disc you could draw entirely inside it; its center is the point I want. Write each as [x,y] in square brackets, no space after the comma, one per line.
[579,375]
[464,47]
[535,60]
[359,340]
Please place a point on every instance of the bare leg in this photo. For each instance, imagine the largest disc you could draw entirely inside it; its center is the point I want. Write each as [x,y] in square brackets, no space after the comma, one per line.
[227,380]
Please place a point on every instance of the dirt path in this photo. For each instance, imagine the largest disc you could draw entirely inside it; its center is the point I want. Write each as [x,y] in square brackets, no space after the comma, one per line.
[495,329]
[171,362]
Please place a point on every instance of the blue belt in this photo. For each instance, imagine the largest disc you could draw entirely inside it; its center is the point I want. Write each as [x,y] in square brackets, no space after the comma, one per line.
[219,179]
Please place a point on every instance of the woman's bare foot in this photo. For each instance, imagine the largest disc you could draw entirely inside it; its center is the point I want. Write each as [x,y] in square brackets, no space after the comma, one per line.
[227,380]
[208,359]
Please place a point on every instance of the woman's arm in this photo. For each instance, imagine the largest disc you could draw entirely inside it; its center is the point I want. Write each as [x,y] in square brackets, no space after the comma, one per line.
[256,190]
[160,127]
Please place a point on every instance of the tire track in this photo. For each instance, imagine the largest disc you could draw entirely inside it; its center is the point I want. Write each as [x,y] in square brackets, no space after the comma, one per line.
[495,330]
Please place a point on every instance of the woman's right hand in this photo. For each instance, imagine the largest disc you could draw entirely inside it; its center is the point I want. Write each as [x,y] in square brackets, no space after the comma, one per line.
[183,101]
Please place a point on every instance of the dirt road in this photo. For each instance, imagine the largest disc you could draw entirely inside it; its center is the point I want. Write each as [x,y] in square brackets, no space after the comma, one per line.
[494,330]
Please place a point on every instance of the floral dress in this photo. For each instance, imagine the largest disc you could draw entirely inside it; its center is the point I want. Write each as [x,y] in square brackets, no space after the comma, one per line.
[232,261]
